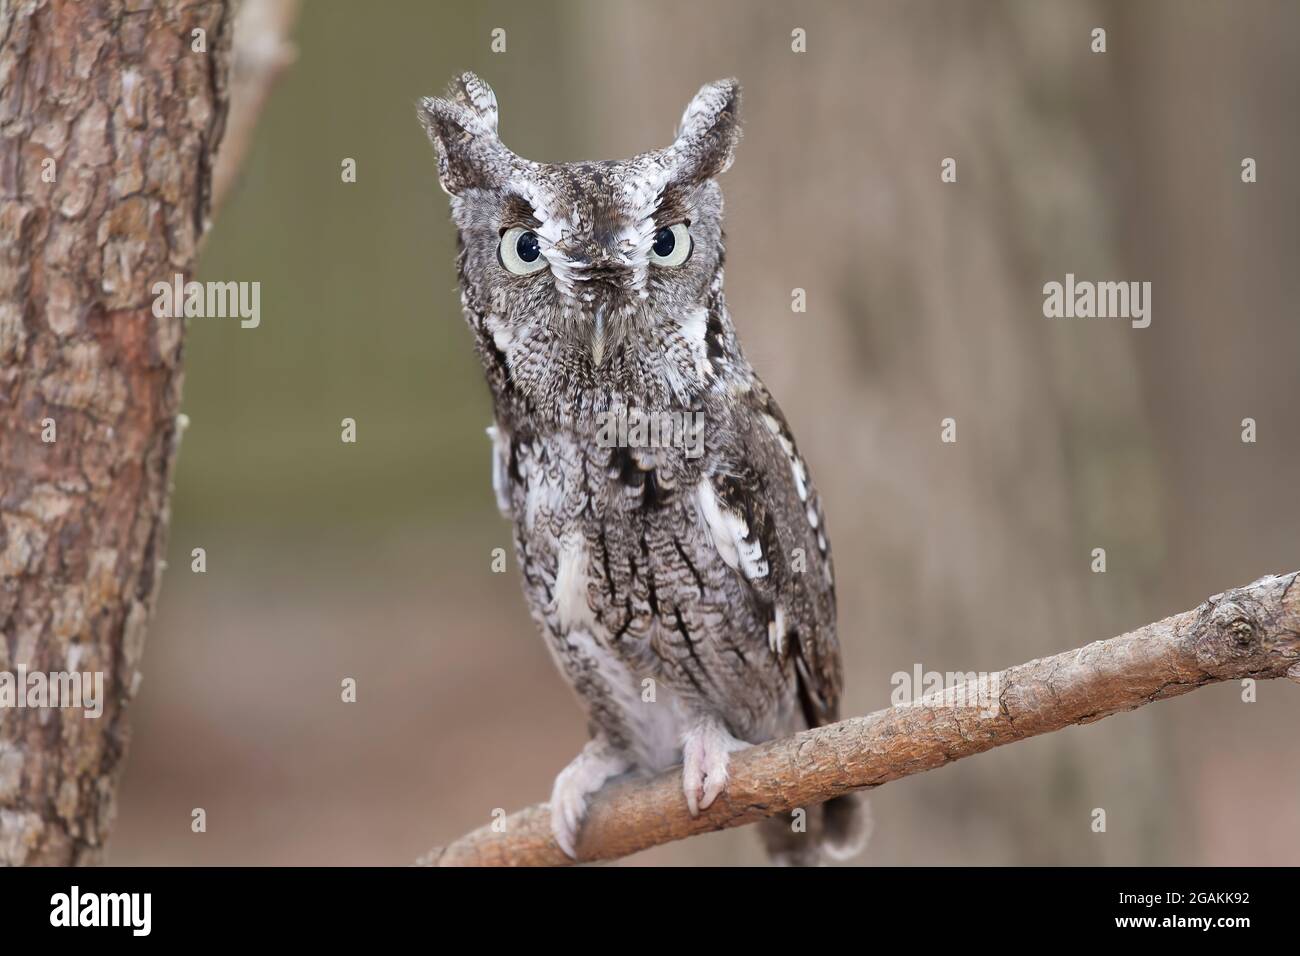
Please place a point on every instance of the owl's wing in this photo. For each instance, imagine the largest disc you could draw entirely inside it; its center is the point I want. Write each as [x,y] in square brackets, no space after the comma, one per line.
[766,521]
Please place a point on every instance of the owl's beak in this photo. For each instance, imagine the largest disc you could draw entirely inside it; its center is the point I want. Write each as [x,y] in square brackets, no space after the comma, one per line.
[598,334]
[603,278]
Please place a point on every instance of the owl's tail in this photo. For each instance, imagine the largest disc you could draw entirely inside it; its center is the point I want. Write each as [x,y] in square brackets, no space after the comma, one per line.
[848,825]
[837,830]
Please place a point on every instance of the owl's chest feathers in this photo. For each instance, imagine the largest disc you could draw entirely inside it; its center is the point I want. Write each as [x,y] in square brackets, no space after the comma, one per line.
[614,669]
[611,527]
[617,567]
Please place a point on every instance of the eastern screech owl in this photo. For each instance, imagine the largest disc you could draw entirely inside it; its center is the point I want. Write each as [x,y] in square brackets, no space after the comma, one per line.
[684,584]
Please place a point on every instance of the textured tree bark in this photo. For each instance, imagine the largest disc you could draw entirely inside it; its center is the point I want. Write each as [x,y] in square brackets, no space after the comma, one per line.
[1250,632]
[114,93]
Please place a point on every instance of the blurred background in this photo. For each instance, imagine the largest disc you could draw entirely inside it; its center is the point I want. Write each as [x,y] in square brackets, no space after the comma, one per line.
[371,560]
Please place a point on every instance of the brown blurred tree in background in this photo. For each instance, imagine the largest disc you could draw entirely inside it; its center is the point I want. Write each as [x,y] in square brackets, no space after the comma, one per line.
[925,302]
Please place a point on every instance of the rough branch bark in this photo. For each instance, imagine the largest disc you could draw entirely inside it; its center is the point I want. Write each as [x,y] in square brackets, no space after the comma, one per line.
[113,92]
[1249,632]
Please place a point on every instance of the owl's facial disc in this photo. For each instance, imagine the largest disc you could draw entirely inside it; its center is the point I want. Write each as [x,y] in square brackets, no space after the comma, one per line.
[601,259]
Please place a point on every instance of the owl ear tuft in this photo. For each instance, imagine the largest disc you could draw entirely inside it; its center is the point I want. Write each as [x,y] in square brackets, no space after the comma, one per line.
[474,94]
[463,129]
[709,131]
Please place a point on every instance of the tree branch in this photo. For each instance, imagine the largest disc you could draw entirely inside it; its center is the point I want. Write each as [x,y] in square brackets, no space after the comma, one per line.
[1249,632]
[261,53]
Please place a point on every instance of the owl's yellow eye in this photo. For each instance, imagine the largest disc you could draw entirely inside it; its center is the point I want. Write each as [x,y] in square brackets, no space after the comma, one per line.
[520,251]
[672,246]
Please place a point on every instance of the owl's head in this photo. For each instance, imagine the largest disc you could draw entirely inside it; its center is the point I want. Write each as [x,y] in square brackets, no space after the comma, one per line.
[592,268]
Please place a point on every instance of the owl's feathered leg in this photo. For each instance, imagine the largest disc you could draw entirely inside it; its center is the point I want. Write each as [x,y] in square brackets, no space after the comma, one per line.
[586,773]
[706,748]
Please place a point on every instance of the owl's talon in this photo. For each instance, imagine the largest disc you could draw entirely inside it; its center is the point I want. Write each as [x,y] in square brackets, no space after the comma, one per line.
[584,775]
[706,750]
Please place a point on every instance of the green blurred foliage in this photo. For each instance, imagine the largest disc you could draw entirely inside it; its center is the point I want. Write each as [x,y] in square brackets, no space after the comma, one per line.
[360,313]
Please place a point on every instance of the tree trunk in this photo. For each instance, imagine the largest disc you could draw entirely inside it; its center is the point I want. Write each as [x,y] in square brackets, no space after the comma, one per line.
[116,94]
